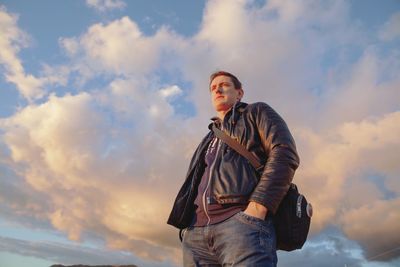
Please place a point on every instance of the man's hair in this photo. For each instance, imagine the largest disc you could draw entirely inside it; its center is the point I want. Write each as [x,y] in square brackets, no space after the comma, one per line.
[235,80]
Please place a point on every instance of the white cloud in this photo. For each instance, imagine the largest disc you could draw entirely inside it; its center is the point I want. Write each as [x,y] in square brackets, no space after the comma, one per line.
[12,39]
[69,45]
[118,48]
[170,91]
[28,85]
[104,5]
[391,29]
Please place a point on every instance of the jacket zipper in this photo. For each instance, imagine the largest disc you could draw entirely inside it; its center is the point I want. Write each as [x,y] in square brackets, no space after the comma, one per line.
[208,183]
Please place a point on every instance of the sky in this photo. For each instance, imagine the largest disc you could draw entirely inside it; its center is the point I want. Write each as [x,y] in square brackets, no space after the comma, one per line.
[103,102]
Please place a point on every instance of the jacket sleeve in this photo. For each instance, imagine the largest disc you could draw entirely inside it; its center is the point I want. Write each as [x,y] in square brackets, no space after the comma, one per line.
[282,159]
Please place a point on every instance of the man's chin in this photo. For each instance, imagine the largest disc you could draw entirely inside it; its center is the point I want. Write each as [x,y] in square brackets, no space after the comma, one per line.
[222,107]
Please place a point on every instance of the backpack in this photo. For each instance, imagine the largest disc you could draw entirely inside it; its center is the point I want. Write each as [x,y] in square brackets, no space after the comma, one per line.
[293,218]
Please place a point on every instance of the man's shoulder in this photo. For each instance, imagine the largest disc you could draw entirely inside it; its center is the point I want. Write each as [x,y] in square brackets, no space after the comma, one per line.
[262,110]
[256,106]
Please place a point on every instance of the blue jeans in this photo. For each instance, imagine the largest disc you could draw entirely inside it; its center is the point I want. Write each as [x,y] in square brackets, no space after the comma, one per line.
[241,240]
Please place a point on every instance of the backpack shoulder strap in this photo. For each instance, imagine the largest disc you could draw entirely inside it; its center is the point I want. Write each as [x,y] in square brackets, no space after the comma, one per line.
[234,144]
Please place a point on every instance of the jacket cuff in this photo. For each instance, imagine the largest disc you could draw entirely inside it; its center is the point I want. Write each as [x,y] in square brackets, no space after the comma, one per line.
[265,202]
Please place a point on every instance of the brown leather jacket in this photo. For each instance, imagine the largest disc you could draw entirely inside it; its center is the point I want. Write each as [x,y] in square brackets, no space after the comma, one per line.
[234,180]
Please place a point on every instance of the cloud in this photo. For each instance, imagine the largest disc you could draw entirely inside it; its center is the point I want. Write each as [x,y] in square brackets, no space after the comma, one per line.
[371,80]
[336,170]
[170,91]
[110,159]
[258,43]
[391,29]
[378,242]
[12,39]
[69,254]
[105,5]
[119,48]
[330,248]
[101,175]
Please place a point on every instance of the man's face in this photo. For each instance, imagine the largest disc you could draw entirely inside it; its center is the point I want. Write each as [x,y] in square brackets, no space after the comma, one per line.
[223,93]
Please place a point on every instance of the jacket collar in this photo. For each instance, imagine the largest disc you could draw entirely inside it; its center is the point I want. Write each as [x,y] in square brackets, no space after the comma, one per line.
[237,107]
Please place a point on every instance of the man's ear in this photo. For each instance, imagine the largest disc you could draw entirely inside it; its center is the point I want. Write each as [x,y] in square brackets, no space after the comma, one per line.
[241,93]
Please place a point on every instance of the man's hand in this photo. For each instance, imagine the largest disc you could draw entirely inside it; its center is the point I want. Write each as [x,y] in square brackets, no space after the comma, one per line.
[256,210]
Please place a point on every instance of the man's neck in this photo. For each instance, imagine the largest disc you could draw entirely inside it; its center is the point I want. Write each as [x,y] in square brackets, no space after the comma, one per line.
[221,114]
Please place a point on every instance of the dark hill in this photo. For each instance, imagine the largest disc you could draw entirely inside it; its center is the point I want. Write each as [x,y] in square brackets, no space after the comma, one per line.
[80,265]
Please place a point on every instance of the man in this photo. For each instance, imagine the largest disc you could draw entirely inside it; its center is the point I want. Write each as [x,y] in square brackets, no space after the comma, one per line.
[225,206]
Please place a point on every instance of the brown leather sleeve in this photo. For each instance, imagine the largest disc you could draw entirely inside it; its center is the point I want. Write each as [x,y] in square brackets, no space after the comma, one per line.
[281,154]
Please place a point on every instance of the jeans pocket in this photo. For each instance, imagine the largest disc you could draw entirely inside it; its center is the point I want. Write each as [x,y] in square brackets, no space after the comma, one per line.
[263,229]
[251,219]
[260,224]
[182,234]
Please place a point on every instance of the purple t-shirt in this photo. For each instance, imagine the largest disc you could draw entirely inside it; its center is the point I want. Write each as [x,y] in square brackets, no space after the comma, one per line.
[216,212]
